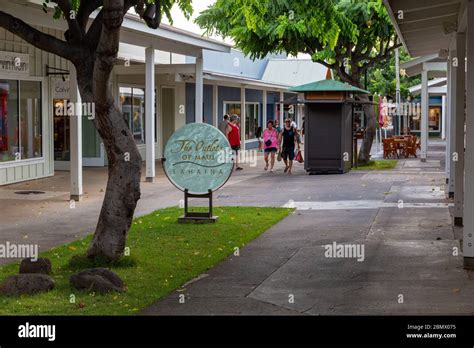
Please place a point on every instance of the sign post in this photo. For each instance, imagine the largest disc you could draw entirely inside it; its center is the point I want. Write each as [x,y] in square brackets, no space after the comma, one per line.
[198,160]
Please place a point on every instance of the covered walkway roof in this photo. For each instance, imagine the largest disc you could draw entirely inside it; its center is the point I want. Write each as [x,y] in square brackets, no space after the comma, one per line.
[424,26]
[134,31]
[416,66]
[435,87]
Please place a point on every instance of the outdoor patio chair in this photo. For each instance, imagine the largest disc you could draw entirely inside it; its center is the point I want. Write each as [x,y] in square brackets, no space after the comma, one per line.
[418,143]
[389,148]
[411,148]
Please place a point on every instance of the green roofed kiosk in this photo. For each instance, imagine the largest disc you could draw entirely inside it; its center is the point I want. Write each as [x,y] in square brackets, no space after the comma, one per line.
[329,131]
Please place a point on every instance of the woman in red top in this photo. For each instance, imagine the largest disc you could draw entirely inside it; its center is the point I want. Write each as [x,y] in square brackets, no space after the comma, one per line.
[233,134]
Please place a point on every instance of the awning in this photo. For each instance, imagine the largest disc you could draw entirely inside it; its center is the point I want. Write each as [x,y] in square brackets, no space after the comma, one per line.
[133,31]
[415,67]
[328,86]
[425,26]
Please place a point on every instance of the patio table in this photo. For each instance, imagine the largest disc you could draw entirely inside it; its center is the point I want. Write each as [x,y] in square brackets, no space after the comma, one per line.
[401,144]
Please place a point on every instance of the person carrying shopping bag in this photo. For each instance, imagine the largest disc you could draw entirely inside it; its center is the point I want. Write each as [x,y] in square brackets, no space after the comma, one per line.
[270,143]
[288,140]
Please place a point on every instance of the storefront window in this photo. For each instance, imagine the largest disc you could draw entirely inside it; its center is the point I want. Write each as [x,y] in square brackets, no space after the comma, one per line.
[20,120]
[133,109]
[251,124]
[434,120]
[30,119]
[251,117]
[232,109]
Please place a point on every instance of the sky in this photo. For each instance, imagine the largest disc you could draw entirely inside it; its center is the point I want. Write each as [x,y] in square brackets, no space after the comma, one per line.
[180,21]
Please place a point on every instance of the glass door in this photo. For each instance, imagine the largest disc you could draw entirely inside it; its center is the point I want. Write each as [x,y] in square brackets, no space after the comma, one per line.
[62,152]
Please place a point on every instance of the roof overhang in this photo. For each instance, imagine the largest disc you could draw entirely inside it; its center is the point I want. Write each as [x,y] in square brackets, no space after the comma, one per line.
[435,64]
[243,81]
[435,87]
[187,72]
[425,27]
[134,31]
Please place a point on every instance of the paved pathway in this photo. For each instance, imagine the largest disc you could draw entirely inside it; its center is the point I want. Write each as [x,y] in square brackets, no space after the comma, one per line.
[401,218]
[402,221]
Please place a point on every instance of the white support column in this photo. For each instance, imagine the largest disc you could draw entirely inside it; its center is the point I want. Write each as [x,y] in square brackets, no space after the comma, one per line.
[443,117]
[424,115]
[150,113]
[264,109]
[215,106]
[448,123]
[468,235]
[282,109]
[453,113]
[242,117]
[77,190]
[199,90]
[459,101]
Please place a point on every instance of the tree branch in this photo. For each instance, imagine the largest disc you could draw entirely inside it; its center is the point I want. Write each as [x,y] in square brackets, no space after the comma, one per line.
[149,12]
[75,32]
[381,57]
[85,10]
[93,34]
[37,38]
[107,51]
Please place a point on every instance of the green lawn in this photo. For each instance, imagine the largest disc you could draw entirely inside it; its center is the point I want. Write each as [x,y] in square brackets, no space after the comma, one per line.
[164,256]
[378,165]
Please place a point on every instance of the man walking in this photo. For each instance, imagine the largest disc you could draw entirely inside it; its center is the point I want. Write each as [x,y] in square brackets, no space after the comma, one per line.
[223,124]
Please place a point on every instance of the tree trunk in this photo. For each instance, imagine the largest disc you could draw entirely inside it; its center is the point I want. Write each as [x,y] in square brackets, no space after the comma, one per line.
[94,54]
[370,130]
[124,168]
[123,187]
[371,127]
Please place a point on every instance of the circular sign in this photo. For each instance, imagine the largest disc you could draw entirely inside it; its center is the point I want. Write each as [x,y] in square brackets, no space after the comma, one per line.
[198,158]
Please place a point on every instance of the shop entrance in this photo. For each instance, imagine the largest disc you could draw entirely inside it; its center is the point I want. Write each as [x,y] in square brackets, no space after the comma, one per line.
[92,150]
[61,136]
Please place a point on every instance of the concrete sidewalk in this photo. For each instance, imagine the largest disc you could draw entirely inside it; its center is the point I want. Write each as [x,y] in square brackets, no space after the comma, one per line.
[400,217]
[402,220]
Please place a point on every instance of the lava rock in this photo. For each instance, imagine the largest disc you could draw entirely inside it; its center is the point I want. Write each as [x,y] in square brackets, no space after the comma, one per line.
[26,284]
[99,280]
[40,266]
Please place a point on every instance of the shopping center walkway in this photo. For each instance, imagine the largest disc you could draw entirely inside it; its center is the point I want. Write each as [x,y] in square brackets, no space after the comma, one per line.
[410,264]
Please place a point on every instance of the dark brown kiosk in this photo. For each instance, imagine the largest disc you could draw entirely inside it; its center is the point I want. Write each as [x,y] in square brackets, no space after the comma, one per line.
[329,132]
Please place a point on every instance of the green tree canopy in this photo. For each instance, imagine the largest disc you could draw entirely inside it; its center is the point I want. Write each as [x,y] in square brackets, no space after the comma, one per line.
[348,36]
[382,78]
[345,35]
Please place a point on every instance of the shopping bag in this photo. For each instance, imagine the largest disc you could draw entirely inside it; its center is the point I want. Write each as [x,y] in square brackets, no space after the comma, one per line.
[299,157]
[279,156]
